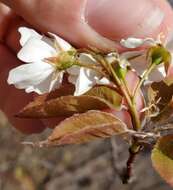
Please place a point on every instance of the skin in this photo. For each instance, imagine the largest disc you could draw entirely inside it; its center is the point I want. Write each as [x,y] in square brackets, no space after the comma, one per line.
[25,13]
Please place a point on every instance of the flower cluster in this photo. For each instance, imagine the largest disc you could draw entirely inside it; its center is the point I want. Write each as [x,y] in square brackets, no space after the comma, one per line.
[112,93]
[47,59]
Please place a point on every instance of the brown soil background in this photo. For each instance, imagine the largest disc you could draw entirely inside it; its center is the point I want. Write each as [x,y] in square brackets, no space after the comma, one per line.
[80,167]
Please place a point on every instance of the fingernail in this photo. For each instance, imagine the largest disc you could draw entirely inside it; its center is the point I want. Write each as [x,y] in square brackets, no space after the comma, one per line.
[116,19]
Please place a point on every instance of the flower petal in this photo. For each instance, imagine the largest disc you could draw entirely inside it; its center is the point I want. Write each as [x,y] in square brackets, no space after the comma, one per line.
[35,50]
[31,74]
[86,79]
[65,46]
[47,85]
[26,34]
[136,42]
[103,81]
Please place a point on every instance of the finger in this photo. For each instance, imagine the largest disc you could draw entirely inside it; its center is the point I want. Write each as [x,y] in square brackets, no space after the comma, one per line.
[121,19]
[12,100]
[97,23]
[9,61]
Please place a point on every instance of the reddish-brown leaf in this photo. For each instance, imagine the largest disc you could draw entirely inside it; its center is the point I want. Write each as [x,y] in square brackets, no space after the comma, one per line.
[82,128]
[64,106]
[108,94]
[164,93]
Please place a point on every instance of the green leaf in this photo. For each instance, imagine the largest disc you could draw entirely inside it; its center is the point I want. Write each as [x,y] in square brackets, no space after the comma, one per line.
[162,158]
[108,94]
[63,106]
[86,127]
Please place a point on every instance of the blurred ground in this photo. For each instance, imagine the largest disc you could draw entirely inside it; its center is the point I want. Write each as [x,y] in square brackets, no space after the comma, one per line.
[80,167]
[83,167]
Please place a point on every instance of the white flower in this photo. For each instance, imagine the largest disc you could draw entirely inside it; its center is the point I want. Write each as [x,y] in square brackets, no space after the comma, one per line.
[83,78]
[41,73]
[139,63]
[38,75]
[132,43]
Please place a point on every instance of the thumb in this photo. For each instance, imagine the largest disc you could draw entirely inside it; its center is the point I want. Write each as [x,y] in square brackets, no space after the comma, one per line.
[97,23]
[121,19]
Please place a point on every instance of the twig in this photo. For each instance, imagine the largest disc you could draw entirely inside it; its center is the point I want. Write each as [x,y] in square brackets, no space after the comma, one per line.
[128,171]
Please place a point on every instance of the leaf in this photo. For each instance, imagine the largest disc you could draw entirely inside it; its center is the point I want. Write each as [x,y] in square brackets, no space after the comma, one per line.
[64,90]
[161,101]
[82,128]
[165,116]
[164,93]
[64,106]
[108,94]
[162,158]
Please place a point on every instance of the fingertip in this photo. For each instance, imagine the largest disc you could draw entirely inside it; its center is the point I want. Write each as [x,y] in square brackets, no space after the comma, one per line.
[122,19]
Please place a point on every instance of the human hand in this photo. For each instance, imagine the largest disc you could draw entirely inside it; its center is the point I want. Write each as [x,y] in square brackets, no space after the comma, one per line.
[145,18]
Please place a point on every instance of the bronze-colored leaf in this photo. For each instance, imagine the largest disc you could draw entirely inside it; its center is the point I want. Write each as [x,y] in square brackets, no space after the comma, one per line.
[82,128]
[108,94]
[164,93]
[64,106]
[165,116]
[162,158]
[65,90]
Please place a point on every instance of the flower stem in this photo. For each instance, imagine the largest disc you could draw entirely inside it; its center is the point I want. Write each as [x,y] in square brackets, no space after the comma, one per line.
[132,105]
[145,75]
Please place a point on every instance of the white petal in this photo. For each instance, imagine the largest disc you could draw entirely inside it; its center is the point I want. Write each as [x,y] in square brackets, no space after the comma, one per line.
[31,74]
[104,81]
[65,46]
[56,81]
[26,34]
[35,50]
[86,80]
[47,85]
[136,42]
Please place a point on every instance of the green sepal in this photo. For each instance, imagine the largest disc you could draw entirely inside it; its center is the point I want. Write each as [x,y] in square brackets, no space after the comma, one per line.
[158,54]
